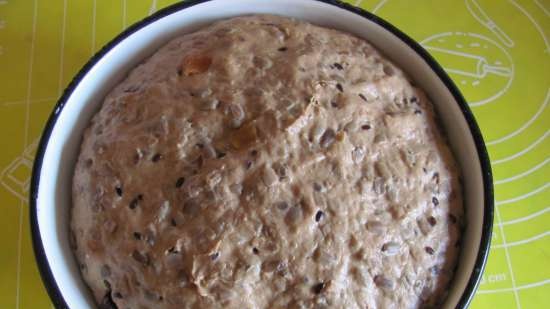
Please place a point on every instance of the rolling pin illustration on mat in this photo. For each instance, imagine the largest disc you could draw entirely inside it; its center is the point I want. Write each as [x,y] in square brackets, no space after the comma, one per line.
[466,64]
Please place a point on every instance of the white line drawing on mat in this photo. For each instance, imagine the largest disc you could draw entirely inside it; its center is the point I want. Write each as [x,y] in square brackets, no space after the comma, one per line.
[9,103]
[477,92]
[16,176]
[523,174]
[522,287]
[2,26]
[508,259]
[94,13]
[524,196]
[379,5]
[473,58]
[522,152]
[537,26]
[525,125]
[541,6]
[481,16]
[522,242]
[124,6]
[526,218]
[28,153]
[62,49]
[153,7]
[472,65]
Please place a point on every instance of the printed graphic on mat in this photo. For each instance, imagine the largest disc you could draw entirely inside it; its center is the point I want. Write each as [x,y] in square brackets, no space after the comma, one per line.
[473,60]
[16,176]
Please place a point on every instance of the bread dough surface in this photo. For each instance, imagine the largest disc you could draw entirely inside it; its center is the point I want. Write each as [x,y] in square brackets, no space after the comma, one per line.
[264,162]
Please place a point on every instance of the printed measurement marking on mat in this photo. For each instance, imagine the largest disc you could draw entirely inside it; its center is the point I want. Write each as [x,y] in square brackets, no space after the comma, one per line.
[493,278]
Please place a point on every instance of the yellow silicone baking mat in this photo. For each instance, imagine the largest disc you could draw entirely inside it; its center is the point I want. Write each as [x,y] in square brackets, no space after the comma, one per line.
[497,52]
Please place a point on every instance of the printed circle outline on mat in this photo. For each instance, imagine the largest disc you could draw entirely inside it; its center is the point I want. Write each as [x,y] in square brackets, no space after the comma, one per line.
[521,242]
[525,125]
[471,61]
[538,190]
[525,150]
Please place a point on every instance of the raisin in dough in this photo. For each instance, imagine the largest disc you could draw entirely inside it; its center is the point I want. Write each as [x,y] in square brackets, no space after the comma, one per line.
[264,162]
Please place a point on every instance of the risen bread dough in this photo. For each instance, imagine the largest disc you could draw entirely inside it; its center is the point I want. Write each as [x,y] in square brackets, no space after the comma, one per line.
[264,162]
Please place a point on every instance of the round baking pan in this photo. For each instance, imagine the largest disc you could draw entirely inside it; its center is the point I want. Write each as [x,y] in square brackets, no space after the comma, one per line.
[50,197]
